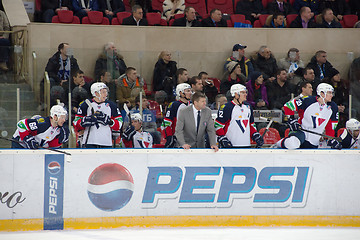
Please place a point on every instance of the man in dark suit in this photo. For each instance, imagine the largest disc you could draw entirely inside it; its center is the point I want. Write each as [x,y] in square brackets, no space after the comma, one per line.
[189,20]
[215,19]
[136,19]
[304,20]
[280,6]
[194,121]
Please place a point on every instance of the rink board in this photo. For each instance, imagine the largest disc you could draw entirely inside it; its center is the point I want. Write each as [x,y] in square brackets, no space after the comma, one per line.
[174,187]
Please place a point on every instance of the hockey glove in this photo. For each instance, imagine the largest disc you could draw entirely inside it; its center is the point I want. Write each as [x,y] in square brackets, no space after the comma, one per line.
[170,142]
[129,132]
[294,124]
[334,144]
[63,137]
[30,142]
[224,142]
[88,121]
[258,139]
[102,118]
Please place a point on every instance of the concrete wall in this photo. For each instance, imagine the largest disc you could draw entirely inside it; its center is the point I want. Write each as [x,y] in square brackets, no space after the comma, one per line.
[200,49]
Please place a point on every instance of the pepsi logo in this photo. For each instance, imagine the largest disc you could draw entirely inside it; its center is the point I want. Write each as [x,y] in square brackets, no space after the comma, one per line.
[54,167]
[110,187]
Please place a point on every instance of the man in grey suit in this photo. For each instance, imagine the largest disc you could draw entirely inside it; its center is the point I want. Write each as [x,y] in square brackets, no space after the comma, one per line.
[193,122]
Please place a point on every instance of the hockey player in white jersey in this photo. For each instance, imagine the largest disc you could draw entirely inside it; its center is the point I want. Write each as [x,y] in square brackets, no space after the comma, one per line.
[44,132]
[316,113]
[235,121]
[351,137]
[98,117]
[134,136]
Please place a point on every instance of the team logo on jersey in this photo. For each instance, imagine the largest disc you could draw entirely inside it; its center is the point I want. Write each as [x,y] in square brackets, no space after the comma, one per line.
[41,120]
[110,187]
[242,124]
[54,167]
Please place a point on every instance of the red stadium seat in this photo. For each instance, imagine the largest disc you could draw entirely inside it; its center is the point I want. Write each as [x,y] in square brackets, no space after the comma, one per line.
[225,6]
[349,21]
[180,15]
[216,83]
[153,105]
[261,21]
[171,22]
[238,18]
[95,18]
[340,131]
[199,5]
[290,18]
[65,16]
[157,5]
[119,18]
[154,19]
[271,136]
[127,5]
[88,79]
[38,5]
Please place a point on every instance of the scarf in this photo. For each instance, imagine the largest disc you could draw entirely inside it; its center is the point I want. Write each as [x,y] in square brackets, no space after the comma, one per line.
[64,71]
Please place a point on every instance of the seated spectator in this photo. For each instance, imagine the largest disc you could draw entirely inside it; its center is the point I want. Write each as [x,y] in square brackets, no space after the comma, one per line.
[80,90]
[220,100]
[82,7]
[238,55]
[280,6]
[328,20]
[355,7]
[208,87]
[51,7]
[279,91]
[161,99]
[148,118]
[110,61]
[189,20]
[291,64]
[275,21]
[265,63]
[354,76]
[232,75]
[320,65]
[312,4]
[304,19]
[215,19]
[137,17]
[164,72]
[252,9]
[106,78]
[182,76]
[257,95]
[196,84]
[111,7]
[4,41]
[134,135]
[128,87]
[309,77]
[172,7]
[339,7]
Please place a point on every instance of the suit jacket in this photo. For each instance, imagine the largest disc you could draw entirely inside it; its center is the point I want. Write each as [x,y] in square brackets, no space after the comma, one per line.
[181,22]
[273,7]
[185,130]
[131,21]
[297,23]
[208,22]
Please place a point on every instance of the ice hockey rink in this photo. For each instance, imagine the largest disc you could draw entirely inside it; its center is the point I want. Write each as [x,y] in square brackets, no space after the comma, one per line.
[268,233]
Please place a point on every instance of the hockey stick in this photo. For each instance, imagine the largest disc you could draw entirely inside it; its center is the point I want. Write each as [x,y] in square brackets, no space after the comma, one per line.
[266,129]
[306,130]
[51,149]
[87,101]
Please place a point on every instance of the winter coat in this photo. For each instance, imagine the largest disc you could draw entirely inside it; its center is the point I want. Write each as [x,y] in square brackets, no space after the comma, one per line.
[53,66]
[116,66]
[252,97]
[162,72]
[267,67]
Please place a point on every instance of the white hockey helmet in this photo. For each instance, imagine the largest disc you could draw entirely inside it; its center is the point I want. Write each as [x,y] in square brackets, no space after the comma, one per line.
[136,117]
[352,125]
[237,88]
[324,87]
[57,110]
[96,87]
[181,88]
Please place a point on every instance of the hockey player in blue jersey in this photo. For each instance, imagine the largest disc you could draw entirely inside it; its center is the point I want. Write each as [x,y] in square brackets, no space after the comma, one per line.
[351,137]
[44,132]
[235,121]
[183,96]
[316,113]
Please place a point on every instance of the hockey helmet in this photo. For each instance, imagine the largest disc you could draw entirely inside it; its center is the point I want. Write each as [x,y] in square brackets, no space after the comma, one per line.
[352,125]
[181,88]
[136,117]
[324,87]
[96,87]
[237,88]
[57,110]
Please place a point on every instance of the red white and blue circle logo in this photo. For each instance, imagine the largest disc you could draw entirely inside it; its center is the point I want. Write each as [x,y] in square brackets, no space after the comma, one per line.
[54,167]
[110,187]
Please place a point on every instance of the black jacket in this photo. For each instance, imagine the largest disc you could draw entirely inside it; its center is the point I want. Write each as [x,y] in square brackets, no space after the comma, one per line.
[54,4]
[278,95]
[273,7]
[162,72]
[339,7]
[208,22]
[53,66]
[246,7]
[333,24]
[325,67]
[267,67]
[116,6]
[131,21]
[181,22]
[298,24]
[102,64]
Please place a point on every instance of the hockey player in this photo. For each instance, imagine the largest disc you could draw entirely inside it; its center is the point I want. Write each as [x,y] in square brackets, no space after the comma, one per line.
[183,96]
[235,121]
[350,137]
[134,134]
[317,114]
[97,117]
[44,132]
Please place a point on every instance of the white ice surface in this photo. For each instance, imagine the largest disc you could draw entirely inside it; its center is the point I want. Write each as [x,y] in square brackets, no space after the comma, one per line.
[288,233]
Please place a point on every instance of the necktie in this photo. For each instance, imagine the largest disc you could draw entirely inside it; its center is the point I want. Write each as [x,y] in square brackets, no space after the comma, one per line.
[198,121]
[281,7]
